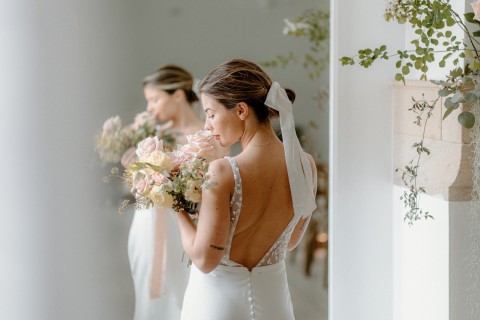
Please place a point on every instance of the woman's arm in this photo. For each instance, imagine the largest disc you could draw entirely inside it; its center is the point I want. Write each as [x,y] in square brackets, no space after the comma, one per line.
[302,224]
[205,242]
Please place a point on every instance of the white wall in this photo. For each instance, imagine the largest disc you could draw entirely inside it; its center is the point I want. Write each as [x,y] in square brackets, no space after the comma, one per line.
[421,261]
[361,137]
[66,67]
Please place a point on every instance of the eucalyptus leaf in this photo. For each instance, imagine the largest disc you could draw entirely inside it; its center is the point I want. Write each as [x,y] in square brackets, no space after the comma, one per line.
[444,92]
[457,96]
[448,103]
[449,110]
[466,119]
[470,97]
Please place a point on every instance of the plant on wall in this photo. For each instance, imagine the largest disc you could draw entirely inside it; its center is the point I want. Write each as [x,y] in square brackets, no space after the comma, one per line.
[434,45]
[313,26]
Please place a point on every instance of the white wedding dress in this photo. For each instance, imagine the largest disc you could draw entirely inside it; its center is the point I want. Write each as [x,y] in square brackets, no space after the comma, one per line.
[159,270]
[231,291]
[159,267]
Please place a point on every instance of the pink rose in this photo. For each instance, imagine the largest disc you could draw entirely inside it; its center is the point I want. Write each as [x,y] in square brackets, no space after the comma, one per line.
[144,118]
[142,185]
[177,157]
[201,144]
[128,157]
[148,145]
[159,178]
[476,9]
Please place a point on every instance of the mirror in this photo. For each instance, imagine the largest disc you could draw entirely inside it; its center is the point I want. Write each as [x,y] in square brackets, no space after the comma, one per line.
[76,63]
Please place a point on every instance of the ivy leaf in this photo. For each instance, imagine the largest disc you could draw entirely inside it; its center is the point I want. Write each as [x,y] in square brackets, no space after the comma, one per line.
[466,119]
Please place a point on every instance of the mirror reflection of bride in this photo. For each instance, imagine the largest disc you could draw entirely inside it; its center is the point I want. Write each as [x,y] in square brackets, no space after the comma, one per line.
[159,270]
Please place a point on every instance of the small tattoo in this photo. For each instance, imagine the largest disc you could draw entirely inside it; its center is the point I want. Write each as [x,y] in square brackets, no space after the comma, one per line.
[217,247]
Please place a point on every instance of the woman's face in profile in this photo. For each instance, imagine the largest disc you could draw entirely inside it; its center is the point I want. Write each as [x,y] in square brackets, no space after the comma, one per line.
[224,123]
[159,103]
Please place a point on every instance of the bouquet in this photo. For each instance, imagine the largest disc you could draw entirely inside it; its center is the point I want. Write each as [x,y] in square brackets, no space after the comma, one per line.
[171,178]
[115,140]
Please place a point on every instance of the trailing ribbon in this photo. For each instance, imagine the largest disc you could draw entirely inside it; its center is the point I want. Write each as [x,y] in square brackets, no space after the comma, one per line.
[298,165]
[159,254]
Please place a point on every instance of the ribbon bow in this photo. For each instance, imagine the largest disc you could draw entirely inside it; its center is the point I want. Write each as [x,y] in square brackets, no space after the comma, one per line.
[298,165]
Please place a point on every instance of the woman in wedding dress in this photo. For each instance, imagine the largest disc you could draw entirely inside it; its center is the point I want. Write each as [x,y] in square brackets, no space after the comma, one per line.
[258,207]
[159,270]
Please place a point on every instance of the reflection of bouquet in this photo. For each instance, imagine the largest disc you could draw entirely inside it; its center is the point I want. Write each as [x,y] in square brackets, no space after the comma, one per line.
[171,178]
[114,139]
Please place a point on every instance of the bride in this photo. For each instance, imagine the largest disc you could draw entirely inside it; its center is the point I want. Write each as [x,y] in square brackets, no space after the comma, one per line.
[159,272]
[258,207]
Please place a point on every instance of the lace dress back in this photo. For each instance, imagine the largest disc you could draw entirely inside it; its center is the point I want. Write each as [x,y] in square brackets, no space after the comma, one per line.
[277,251]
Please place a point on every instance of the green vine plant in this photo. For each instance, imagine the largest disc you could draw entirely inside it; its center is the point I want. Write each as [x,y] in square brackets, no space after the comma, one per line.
[435,44]
[432,22]
[411,197]
[314,26]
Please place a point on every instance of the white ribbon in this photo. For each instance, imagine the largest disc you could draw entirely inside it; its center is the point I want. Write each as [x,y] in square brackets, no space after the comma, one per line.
[298,165]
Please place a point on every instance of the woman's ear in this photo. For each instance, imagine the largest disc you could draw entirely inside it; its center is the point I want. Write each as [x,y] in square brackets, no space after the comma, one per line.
[179,94]
[242,110]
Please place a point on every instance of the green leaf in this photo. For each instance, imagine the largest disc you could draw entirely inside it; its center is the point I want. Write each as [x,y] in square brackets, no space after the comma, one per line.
[448,103]
[448,34]
[466,119]
[442,64]
[449,110]
[450,21]
[444,92]
[470,97]
[457,96]
[476,33]
[398,76]
[469,17]
[405,70]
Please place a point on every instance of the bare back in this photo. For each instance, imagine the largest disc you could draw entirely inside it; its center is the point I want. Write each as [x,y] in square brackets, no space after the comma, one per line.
[266,204]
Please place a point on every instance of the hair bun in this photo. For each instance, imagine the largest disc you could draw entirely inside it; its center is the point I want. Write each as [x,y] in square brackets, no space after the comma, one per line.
[291,95]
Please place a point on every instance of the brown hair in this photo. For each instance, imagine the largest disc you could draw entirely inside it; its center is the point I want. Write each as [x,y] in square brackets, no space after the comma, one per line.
[238,81]
[170,78]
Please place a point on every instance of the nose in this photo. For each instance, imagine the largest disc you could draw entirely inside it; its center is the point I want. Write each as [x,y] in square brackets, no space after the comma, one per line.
[208,125]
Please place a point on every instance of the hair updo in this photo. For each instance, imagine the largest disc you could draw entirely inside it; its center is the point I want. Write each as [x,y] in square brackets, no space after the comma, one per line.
[170,78]
[238,81]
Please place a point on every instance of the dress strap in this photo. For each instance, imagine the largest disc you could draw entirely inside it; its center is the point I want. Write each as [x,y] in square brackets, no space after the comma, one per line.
[235,204]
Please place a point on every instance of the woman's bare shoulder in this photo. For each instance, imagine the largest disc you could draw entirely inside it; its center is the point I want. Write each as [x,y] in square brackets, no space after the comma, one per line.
[220,171]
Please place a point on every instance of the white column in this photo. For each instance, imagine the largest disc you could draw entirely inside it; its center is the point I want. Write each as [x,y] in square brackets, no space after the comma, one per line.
[361,140]
[65,68]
